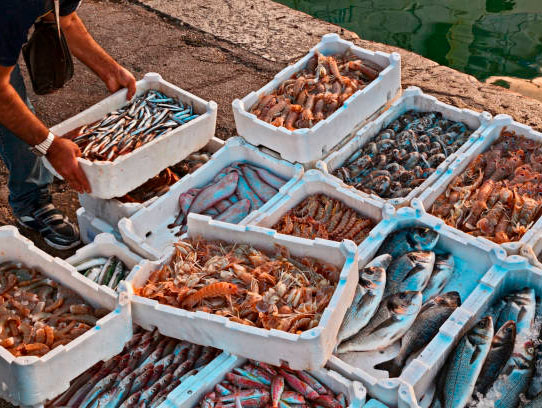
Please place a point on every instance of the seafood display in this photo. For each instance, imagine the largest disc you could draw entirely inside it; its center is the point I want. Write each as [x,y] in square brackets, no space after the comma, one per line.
[244,284]
[104,271]
[314,93]
[160,184]
[37,314]
[496,363]
[145,119]
[403,155]
[399,298]
[234,192]
[498,196]
[320,216]
[258,384]
[142,375]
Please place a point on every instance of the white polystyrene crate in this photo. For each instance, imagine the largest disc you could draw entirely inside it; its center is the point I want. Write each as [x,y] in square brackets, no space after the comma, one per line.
[191,394]
[489,135]
[416,376]
[114,179]
[105,245]
[30,381]
[307,145]
[309,350]
[316,182]
[146,232]
[113,210]
[91,226]
[412,99]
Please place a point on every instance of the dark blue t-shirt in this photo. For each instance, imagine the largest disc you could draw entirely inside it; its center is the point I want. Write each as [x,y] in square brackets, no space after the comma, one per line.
[16,18]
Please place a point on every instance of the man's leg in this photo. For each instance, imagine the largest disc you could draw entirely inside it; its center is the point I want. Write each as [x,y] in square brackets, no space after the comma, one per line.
[29,182]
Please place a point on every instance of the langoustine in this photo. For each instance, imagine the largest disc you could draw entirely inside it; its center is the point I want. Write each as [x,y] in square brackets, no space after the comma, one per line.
[315,92]
[320,216]
[244,284]
[234,192]
[403,155]
[37,314]
[257,384]
[498,196]
[149,368]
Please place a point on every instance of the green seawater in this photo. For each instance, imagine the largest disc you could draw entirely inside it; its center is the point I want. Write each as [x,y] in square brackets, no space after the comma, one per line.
[480,37]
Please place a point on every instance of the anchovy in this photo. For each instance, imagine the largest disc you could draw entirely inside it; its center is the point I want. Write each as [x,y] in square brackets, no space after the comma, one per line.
[407,240]
[392,320]
[425,327]
[368,296]
[410,271]
[465,364]
[442,272]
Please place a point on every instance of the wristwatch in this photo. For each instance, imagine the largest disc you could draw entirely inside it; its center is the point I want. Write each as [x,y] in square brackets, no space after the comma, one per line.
[41,149]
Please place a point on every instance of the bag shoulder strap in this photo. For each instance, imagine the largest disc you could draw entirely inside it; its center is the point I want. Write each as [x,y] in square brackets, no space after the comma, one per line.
[57,16]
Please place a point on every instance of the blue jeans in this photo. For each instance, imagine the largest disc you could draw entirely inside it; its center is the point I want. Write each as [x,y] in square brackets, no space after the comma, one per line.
[29,180]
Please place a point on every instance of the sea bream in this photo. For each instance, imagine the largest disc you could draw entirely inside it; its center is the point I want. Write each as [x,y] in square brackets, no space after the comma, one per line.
[369,293]
[425,327]
[442,272]
[407,240]
[465,364]
[410,271]
[392,320]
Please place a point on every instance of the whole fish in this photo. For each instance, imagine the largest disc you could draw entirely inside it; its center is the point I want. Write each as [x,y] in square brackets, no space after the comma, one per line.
[215,193]
[236,213]
[535,388]
[409,239]
[185,201]
[369,293]
[261,188]
[495,311]
[270,178]
[425,327]
[277,388]
[442,272]
[100,387]
[244,191]
[499,353]
[514,378]
[521,308]
[411,270]
[465,364]
[392,320]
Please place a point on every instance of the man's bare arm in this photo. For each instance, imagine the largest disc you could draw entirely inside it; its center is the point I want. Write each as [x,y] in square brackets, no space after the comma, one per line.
[84,48]
[15,116]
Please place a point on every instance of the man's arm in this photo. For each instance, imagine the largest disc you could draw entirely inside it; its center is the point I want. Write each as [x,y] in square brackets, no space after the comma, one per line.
[15,116]
[84,48]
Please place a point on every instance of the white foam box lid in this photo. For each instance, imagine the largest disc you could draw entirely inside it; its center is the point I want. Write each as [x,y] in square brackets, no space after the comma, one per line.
[490,134]
[147,232]
[412,99]
[413,387]
[113,210]
[306,351]
[189,395]
[114,179]
[30,381]
[316,182]
[105,245]
[91,226]
[310,144]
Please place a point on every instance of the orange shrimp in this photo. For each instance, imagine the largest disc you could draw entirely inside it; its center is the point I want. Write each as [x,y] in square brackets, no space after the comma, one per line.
[212,290]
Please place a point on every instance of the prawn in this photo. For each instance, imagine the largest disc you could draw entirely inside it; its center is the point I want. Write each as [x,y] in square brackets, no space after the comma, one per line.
[212,290]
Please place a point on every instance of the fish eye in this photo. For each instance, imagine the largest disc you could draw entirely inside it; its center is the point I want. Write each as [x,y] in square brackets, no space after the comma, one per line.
[402,296]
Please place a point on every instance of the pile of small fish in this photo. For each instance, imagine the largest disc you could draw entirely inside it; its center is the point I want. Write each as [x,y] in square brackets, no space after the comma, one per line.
[499,195]
[245,284]
[494,363]
[314,93]
[398,297]
[324,217]
[403,155]
[160,184]
[104,271]
[147,370]
[120,132]
[234,192]
[37,314]
[258,384]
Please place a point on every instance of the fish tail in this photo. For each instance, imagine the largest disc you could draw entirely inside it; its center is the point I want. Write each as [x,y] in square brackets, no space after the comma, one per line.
[393,367]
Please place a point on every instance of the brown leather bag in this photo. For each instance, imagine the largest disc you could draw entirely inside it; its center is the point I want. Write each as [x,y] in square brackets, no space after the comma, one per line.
[47,56]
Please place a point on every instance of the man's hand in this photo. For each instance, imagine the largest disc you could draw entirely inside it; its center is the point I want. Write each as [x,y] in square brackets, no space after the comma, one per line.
[119,78]
[63,155]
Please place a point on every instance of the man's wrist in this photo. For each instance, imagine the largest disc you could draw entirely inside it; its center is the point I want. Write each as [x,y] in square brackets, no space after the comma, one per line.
[42,148]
